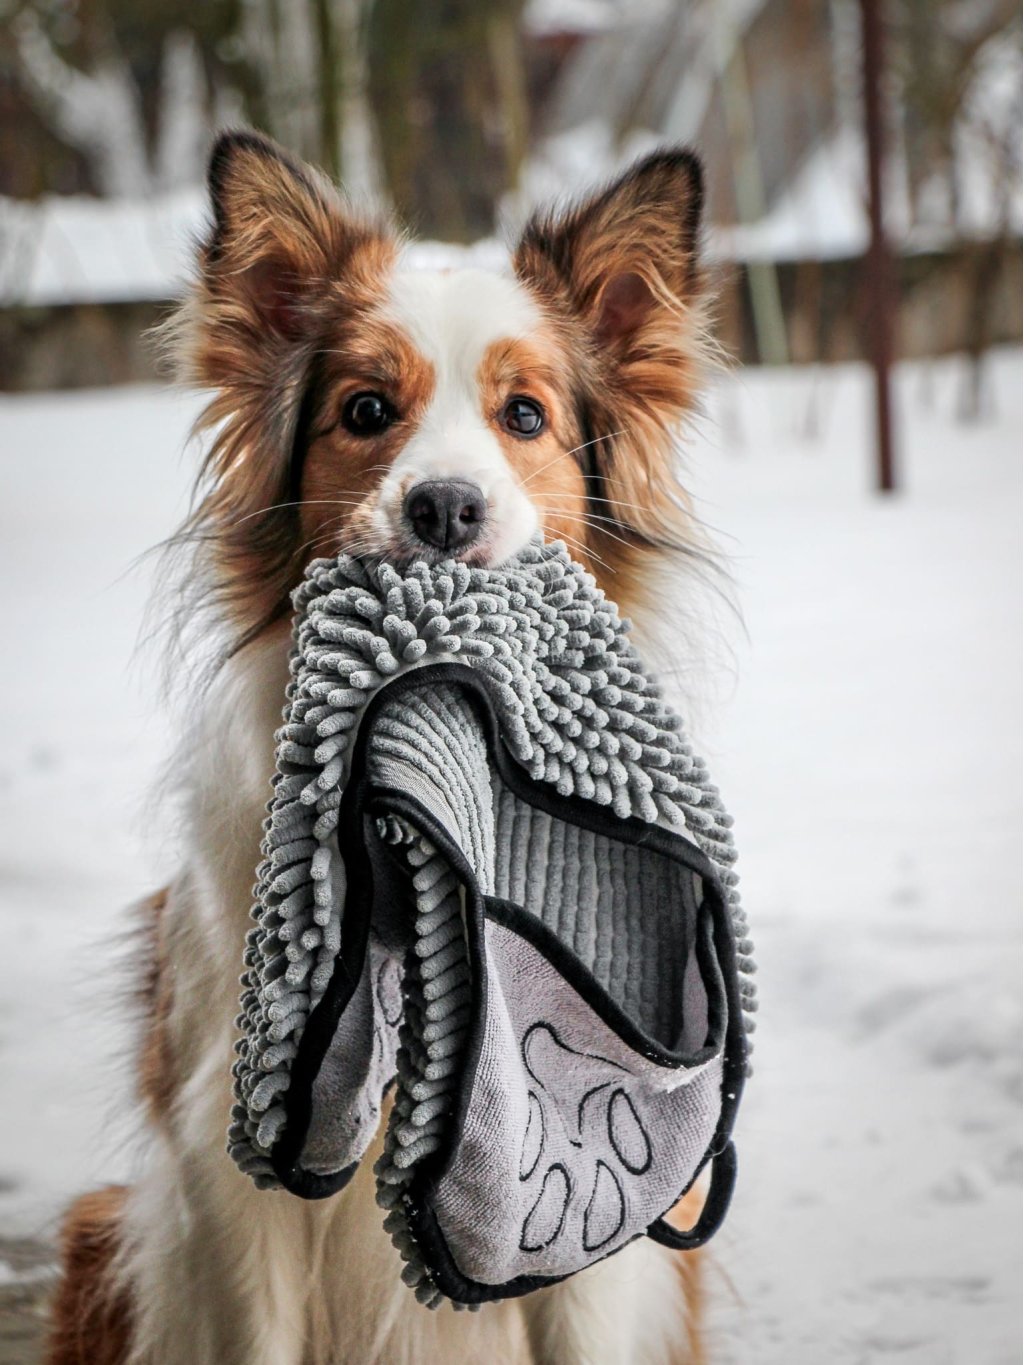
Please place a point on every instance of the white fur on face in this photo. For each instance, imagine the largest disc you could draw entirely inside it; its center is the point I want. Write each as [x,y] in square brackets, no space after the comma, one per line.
[452,318]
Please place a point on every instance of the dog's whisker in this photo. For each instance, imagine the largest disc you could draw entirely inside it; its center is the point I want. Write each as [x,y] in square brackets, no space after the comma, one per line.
[574,451]
[298,502]
[609,502]
[601,530]
[537,472]
[584,549]
[595,440]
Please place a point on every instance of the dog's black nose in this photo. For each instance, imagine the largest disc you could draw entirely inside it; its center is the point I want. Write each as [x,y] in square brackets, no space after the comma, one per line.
[446,513]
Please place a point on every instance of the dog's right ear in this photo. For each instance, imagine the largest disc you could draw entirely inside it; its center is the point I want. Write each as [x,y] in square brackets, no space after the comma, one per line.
[286,264]
[282,240]
[625,260]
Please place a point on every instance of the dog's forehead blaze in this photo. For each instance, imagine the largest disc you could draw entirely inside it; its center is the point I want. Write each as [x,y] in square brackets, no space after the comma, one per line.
[486,338]
[441,339]
[453,317]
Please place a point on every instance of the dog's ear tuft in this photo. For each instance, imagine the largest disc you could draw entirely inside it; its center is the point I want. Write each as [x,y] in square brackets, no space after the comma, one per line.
[623,257]
[285,261]
[279,229]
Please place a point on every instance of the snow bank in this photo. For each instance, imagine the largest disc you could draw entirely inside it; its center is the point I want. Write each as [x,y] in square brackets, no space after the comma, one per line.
[77,249]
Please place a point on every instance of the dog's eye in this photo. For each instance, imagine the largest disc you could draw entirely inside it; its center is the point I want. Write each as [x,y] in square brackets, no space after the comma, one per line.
[522,417]
[366,414]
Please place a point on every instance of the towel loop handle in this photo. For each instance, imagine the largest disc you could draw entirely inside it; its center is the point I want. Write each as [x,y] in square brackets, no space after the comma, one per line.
[716,1206]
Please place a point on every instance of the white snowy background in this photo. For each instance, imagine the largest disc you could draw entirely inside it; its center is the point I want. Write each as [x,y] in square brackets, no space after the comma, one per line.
[866,731]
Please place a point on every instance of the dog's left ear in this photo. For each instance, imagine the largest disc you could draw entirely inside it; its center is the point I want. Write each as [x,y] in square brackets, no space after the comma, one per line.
[625,260]
[621,272]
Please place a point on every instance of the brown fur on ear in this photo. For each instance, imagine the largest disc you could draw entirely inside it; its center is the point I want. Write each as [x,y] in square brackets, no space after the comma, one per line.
[279,235]
[638,237]
[621,272]
[285,266]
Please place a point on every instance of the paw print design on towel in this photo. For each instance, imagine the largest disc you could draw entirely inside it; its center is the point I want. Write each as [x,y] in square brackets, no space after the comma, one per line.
[580,1106]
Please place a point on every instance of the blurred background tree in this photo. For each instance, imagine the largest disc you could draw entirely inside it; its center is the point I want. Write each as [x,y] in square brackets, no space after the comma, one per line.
[115,97]
[942,51]
[460,111]
[447,88]
[120,97]
[439,105]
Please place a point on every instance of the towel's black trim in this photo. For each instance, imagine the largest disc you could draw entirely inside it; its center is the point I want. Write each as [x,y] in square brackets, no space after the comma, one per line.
[365,859]
[354,835]
[712,1215]
[721,1152]
[716,951]
[527,926]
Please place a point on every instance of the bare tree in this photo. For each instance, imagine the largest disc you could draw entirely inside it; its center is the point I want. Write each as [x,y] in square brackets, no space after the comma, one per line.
[132,88]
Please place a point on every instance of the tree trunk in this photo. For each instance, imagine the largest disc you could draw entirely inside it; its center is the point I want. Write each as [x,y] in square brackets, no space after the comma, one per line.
[330,72]
[446,87]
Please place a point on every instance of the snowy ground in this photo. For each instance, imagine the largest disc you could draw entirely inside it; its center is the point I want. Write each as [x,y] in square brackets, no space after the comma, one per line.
[869,746]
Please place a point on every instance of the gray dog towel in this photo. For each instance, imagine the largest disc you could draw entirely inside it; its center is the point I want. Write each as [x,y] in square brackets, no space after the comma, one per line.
[495,875]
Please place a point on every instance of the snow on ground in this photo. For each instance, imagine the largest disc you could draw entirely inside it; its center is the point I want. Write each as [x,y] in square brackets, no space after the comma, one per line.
[869,746]
[871,757]
[89,483]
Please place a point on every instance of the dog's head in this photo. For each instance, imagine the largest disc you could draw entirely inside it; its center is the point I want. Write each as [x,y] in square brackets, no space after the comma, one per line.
[364,405]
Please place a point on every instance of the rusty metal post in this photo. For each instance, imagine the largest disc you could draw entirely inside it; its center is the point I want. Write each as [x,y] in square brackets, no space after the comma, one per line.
[881,298]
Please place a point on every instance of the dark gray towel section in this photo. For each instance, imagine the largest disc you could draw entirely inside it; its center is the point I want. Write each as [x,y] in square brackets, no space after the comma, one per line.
[619,908]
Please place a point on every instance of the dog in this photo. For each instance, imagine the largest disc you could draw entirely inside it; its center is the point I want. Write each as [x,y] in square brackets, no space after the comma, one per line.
[360,404]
